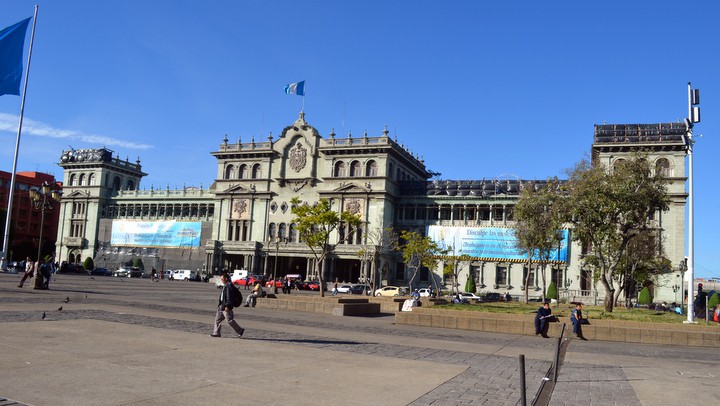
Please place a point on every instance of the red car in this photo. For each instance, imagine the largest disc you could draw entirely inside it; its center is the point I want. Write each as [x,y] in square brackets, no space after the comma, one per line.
[278,283]
[241,282]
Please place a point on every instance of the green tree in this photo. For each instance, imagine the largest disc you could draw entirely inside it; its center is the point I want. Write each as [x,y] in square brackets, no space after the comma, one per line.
[713,302]
[470,284]
[88,264]
[417,252]
[645,298]
[539,216]
[138,263]
[552,292]
[642,260]
[608,209]
[315,226]
[454,263]
[379,243]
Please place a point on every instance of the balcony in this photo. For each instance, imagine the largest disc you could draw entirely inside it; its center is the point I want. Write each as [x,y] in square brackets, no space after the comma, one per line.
[78,242]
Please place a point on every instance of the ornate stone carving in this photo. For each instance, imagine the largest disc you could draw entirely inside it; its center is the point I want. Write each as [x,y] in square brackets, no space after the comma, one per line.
[297,157]
[296,185]
[240,209]
[354,206]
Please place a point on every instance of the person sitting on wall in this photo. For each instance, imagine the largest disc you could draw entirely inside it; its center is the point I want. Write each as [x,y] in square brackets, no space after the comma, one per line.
[541,319]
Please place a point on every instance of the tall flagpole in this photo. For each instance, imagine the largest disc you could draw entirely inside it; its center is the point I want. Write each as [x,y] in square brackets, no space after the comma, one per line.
[11,193]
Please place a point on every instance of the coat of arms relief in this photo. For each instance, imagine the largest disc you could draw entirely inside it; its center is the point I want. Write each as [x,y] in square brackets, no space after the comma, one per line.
[297,157]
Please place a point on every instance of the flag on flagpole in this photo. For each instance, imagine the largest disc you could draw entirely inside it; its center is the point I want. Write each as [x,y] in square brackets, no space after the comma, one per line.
[296,88]
[12,42]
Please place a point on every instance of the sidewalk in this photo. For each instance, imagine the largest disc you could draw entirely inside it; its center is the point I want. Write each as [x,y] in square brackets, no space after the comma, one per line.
[135,342]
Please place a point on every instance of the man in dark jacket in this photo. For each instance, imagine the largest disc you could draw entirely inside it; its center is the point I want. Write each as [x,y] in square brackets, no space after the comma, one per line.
[543,315]
[225,309]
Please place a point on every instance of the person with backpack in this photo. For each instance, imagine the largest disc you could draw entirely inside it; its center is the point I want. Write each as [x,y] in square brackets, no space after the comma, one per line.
[230,297]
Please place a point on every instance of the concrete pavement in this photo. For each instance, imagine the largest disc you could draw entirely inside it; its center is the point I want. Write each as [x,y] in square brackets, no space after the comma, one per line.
[131,341]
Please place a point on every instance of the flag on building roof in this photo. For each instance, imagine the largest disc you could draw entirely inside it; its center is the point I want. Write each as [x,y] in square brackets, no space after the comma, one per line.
[296,88]
[12,43]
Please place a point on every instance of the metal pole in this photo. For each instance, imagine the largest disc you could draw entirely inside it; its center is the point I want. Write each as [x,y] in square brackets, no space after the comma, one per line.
[523,398]
[38,275]
[11,193]
[557,353]
[691,219]
[277,252]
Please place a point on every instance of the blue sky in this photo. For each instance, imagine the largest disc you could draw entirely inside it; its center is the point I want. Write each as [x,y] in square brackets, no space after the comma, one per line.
[477,88]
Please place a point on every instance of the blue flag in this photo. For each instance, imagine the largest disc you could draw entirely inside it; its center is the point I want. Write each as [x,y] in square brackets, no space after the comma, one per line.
[296,88]
[12,43]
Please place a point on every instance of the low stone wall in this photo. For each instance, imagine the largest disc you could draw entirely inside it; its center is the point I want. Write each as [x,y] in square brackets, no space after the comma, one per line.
[698,335]
[334,305]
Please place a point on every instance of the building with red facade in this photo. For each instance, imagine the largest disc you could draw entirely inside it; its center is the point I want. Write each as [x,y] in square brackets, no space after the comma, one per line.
[27,215]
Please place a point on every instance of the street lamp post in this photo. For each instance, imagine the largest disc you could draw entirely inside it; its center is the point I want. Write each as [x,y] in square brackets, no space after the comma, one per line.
[277,242]
[40,201]
[693,117]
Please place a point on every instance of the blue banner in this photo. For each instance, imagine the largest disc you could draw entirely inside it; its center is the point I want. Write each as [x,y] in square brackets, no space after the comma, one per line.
[490,243]
[126,233]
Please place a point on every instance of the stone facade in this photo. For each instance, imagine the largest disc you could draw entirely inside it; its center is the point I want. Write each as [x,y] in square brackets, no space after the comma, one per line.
[244,219]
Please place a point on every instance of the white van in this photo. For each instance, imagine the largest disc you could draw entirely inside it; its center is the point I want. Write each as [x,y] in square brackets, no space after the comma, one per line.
[184,275]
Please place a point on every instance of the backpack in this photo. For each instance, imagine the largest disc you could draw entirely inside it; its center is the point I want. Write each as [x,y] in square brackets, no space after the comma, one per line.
[236,298]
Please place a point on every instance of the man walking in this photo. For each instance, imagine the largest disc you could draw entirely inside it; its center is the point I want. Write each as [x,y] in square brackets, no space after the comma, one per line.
[225,309]
[29,271]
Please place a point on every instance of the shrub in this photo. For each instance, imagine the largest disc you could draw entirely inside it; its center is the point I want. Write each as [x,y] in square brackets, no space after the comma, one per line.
[88,264]
[137,262]
[552,292]
[714,300]
[645,298]
[470,285]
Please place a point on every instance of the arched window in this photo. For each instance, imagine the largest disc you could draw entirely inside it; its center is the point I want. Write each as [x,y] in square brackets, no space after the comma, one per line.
[618,163]
[130,185]
[391,169]
[293,233]
[355,169]
[242,172]
[72,180]
[91,179]
[229,172]
[281,231]
[271,232]
[371,168]
[116,183]
[81,179]
[256,171]
[340,170]
[662,167]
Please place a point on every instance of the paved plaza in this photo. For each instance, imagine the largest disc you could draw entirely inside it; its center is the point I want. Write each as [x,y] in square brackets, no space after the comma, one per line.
[132,341]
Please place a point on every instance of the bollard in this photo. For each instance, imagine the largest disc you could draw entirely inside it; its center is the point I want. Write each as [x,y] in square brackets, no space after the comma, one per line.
[523,399]
[557,353]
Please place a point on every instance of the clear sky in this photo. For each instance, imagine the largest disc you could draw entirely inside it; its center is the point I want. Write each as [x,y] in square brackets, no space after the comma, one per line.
[476,88]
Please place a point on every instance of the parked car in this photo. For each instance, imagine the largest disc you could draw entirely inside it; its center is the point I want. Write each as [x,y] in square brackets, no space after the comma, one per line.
[471,297]
[390,291]
[252,280]
[492,297]
[344,288]
[101,272]
[278,283]
[184,275]
[360,290]
[312,285]
[425,292]
[121,272]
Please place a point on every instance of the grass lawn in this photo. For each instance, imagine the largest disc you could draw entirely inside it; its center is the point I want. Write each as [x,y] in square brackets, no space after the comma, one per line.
[590,312]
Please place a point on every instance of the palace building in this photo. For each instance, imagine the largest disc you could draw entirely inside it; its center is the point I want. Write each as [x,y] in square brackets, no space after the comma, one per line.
[244,219]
